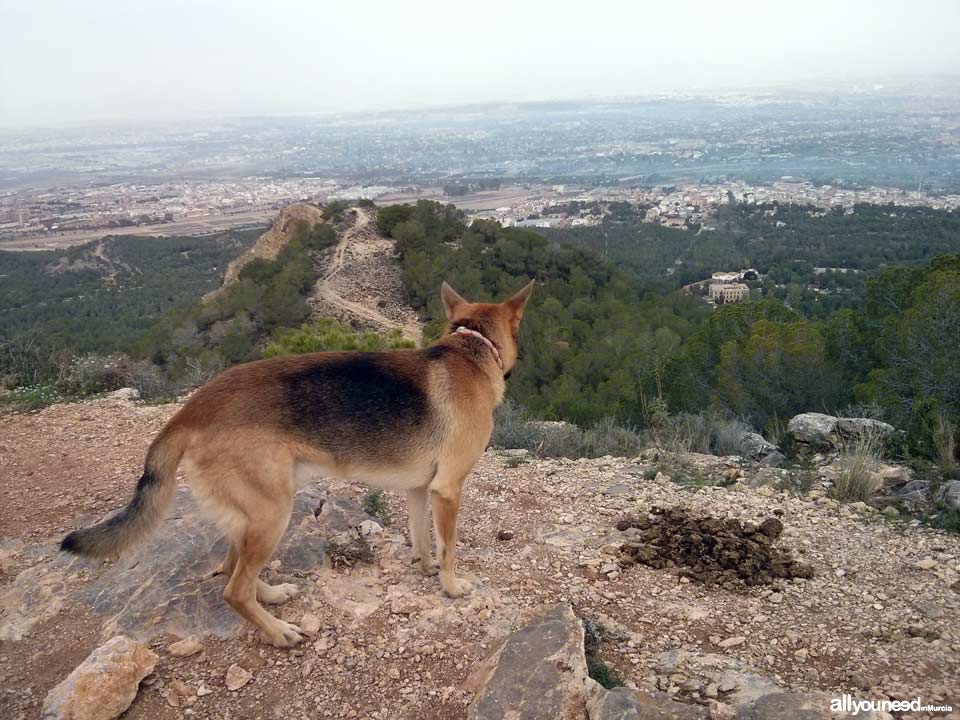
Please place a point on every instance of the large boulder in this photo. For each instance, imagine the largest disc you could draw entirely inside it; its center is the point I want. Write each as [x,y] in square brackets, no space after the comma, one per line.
[851,427]
[826,432]
[102,686]
[814,429]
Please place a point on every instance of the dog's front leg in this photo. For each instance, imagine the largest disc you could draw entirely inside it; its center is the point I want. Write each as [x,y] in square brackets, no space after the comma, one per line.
[419,530]
[446,505]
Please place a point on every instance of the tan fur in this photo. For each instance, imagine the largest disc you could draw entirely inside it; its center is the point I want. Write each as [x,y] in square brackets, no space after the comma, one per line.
[417,421]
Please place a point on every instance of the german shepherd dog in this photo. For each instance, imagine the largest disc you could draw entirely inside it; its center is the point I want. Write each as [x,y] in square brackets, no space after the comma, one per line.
[412,420]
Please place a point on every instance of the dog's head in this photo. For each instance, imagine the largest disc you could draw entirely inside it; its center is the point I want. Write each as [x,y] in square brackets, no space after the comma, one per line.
[498,322]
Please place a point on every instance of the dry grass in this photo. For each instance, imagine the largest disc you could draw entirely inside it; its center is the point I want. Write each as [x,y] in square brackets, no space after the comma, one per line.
[859,461]
[945,442]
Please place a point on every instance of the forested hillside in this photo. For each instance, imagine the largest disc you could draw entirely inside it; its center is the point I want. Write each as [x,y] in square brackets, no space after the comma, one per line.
[608,335]
[785,243]
[602,340]
[103,296]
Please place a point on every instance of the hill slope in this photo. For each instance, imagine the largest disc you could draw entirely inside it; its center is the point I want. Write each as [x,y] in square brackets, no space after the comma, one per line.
[361,285]
[270,243]
[105,295]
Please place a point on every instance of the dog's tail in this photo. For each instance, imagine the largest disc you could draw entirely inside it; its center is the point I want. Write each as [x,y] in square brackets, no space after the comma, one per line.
[151,500]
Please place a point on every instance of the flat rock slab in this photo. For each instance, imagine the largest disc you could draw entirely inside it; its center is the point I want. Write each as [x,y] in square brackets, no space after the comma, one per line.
[538,673]
[624,704]
[158,587]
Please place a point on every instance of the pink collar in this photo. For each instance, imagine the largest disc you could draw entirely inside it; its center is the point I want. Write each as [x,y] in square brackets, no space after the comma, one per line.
[493,348]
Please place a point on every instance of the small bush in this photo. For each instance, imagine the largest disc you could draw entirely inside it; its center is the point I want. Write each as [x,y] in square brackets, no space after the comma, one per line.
[560,440]
[727,437]
[946,518]
[515,461]
[151,382]
[334,210]
[375,505]
[512,429]
[775,431]
[608,437]
[91,374]
[859,459]
[683,433]
[200,370]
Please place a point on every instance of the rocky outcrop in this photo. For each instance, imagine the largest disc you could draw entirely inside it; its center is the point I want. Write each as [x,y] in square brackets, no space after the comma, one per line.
[539,672]
[102,686]
[159,587]
[817,431]
[755,447]
[269,245]
[548,655]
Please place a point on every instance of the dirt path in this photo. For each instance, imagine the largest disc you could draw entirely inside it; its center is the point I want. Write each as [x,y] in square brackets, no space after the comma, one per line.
[362,233]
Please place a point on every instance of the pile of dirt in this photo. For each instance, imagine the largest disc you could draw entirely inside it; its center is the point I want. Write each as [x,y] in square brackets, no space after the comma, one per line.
[710,550]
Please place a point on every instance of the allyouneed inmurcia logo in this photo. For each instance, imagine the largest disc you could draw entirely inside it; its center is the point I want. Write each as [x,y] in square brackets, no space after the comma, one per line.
[846,703]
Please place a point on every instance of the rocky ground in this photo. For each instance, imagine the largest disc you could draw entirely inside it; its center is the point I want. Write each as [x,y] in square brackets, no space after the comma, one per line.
[879,618]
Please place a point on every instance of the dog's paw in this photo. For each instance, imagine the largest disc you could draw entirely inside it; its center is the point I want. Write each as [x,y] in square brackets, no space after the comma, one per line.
[276,594]
[456,587]
[284,635]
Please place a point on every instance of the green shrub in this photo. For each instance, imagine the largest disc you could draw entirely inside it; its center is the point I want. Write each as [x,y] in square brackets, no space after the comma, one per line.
[328,334]
[334,210]
[798,479]
[259,270]
[609,437]
[153,384]
[375,505]
[30,397]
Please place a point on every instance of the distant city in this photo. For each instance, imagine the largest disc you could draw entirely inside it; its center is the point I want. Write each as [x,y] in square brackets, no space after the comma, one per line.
[677,157]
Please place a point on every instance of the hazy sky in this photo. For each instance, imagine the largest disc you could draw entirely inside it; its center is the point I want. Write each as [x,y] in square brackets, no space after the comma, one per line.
[74,61]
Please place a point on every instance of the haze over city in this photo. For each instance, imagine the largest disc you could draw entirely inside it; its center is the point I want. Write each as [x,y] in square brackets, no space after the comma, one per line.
[65,63]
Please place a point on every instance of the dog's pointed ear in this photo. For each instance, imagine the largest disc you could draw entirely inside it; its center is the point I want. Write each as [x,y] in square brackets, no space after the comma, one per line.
[518,301]
[450,299]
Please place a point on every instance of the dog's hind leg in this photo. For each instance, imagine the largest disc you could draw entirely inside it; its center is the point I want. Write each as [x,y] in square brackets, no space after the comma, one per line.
[420,530]
[255,541]
[225,567]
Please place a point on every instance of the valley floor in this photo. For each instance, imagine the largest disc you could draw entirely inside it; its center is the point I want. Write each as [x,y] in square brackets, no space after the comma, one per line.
[387,644]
